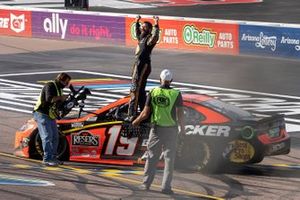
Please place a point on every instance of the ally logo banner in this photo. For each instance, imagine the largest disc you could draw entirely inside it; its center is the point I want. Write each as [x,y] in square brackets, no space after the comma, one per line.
[105,29]
[270,41]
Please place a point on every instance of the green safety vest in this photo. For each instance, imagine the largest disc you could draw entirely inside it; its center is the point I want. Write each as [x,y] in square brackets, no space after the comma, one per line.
[53,112]
[162,103]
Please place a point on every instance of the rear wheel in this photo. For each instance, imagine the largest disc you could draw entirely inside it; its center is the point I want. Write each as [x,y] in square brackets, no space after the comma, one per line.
[37,147]
[258,154]
[195,154]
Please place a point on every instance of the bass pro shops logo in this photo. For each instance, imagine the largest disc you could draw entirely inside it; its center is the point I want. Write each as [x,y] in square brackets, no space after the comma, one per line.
[15,23]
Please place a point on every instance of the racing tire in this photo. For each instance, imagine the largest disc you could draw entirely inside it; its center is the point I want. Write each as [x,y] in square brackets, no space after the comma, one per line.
[258,155]
[204,158]
[257,158]
[37,147]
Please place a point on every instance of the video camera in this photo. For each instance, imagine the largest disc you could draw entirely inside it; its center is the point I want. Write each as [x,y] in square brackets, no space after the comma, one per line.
[73,100]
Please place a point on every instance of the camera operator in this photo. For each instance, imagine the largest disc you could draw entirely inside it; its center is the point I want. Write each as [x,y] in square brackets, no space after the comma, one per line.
[45,114]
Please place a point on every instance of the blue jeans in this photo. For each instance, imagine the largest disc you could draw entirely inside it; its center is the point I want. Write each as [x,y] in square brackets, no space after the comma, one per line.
[49,135]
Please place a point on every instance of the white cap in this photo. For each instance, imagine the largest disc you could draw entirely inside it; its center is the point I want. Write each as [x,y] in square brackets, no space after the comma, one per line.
[166,75]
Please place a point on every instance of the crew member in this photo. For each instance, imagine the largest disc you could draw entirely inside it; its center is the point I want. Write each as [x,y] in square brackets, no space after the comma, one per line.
[164,104]
[45,113]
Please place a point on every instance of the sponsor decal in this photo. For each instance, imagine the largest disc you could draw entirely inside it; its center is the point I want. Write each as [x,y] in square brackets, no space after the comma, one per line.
[291,41]
[17,23]
[161,101]
[170,36]
[274,132]
[262,41]
[239,151]
[14,23]
[25,142]
[132,31]
[208,130]
[85,138]
[187,35]
[77,125]
[85,153]
[196,36]
[79,27]
[271,41]
[276,147]
[191,35]
[55,25]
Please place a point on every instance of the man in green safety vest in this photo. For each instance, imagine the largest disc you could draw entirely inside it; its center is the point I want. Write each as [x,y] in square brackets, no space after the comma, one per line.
[45,114]
[165,106]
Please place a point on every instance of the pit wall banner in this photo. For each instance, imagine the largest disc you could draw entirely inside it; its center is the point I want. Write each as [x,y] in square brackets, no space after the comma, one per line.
[80,27]
[270,41]
[15,23]
[198,35]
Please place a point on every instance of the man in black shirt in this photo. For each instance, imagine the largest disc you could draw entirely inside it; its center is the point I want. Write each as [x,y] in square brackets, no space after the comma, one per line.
[147,36]
[45,113]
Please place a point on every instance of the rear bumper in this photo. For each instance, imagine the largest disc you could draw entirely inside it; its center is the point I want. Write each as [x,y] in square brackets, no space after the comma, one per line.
[278,148]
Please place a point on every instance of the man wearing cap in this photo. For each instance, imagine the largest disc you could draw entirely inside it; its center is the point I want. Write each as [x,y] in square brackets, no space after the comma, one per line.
[147,36]
[45,114]
[164,104]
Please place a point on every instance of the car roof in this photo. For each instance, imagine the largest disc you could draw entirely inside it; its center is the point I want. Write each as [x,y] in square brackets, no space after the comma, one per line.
[196,97]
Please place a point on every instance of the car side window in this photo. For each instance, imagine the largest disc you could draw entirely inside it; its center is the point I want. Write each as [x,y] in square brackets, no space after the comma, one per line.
[192,116]
[118,113]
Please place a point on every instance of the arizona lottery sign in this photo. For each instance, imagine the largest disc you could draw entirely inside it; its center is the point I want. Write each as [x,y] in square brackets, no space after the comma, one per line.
[270,41]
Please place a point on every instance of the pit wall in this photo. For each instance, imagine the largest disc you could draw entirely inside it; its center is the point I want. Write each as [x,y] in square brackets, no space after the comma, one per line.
[196,34]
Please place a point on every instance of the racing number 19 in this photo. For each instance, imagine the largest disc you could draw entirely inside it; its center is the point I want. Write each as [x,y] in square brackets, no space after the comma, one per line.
[125,146]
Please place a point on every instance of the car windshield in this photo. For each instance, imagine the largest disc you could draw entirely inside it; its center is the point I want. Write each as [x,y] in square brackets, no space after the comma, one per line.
[227,109]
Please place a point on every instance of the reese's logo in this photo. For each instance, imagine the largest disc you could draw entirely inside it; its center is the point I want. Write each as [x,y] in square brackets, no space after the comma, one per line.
[85,138]
[161,101]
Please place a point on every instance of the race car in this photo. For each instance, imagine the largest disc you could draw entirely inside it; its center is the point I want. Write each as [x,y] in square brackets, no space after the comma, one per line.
[216,133]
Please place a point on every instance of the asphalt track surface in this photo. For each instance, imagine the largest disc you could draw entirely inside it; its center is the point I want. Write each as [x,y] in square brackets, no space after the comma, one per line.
[275,178]
[282,11]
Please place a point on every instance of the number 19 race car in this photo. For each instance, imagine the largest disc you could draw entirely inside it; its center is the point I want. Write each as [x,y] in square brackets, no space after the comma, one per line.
[216,133]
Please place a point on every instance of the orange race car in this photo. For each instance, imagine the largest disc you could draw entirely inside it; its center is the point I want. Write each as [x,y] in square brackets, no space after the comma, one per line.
[216,132]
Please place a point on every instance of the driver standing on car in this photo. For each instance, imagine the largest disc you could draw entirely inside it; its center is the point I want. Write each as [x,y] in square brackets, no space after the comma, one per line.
[147,36]
[166,108]
[45,114]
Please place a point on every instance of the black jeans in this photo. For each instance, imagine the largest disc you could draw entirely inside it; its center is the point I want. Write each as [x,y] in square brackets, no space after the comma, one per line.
[140,74]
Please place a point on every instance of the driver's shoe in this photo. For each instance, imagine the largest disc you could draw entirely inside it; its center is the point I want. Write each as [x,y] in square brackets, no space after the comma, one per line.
[129,118]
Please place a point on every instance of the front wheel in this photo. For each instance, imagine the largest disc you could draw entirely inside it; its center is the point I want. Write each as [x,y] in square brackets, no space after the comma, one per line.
[62,149]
